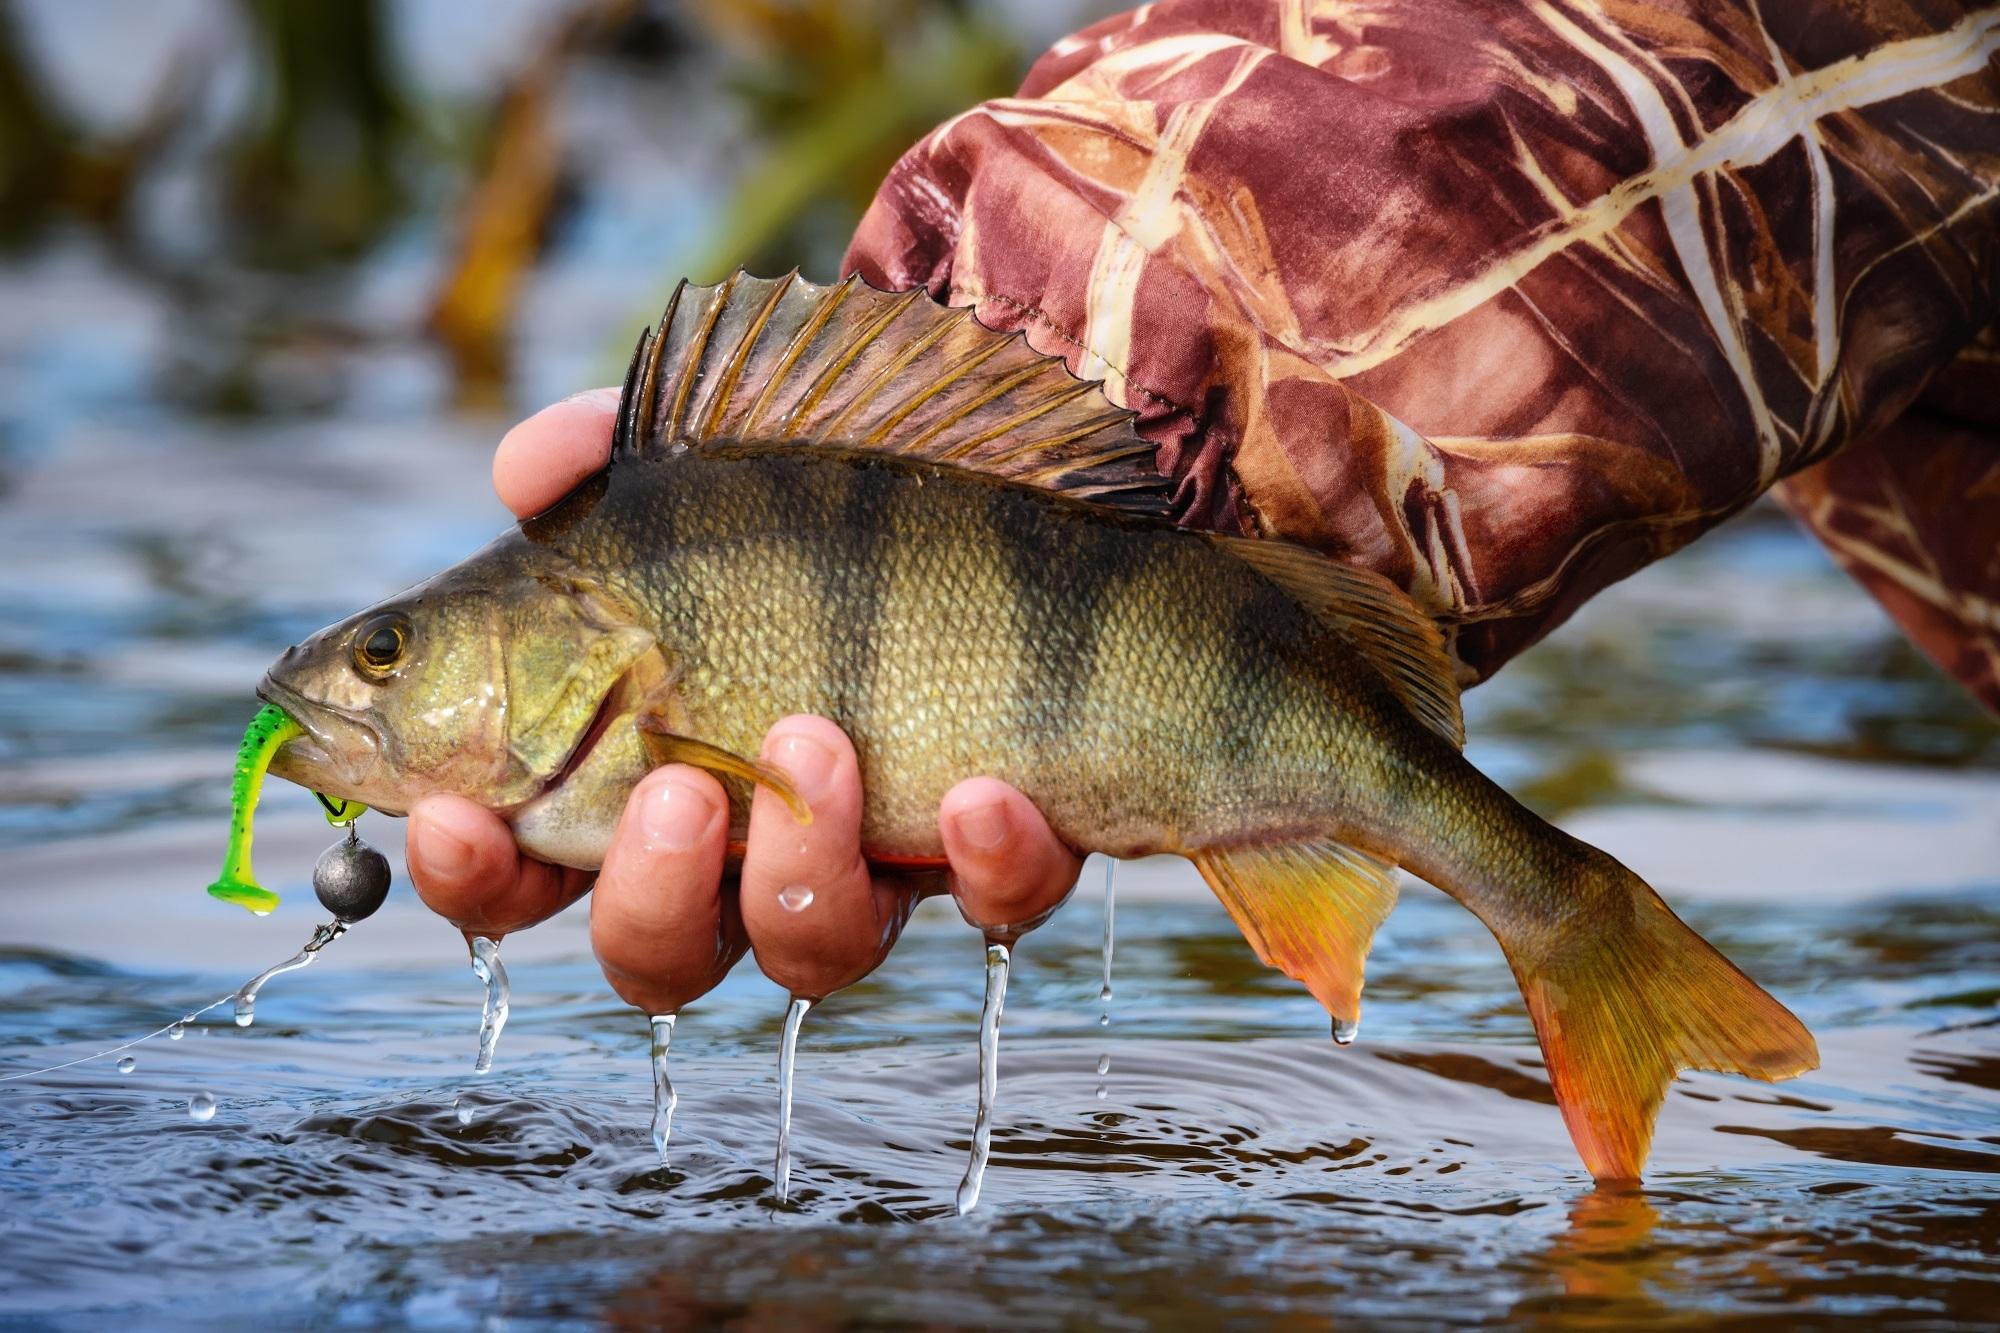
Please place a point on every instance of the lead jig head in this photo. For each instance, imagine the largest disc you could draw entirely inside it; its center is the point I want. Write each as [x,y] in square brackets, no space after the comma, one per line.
[351,879]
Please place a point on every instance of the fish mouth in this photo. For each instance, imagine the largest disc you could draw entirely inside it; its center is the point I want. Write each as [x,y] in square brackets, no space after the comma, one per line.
[338,749]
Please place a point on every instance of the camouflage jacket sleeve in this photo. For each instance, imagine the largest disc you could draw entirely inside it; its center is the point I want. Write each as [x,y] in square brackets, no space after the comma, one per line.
[1507,298]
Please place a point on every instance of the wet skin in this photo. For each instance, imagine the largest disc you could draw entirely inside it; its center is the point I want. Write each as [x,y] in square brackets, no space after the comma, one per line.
[670,915]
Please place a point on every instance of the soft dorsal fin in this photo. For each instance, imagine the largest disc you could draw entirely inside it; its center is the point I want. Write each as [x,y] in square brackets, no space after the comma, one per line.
[1378,618]
[765,359]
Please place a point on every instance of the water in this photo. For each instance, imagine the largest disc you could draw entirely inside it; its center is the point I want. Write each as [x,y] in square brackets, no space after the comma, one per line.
[788,1057]
[1739,724]
[664,1096]
[493,1009]
[201,1107]
[998,964]
[246,997]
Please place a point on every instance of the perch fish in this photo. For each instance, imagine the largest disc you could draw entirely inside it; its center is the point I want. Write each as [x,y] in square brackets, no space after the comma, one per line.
[860,504]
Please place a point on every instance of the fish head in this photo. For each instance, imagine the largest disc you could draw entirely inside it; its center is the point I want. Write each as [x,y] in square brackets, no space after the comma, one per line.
[486,682]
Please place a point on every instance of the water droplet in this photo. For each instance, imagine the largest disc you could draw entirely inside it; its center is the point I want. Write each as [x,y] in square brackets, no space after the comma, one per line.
[1102,1092]
[493,1013]
[462,1108]
[1345,1030]
[998,963]
[177,1031]
[1103,1064]
[126,1064]
[795,897]
[246,1010]
[1104,1020]
[664,1098]
[788,1053]
[201,1107]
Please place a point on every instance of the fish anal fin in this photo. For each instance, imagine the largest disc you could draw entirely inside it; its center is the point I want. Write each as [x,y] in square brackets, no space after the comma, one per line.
[1309,909]
[1622,1005]
[667,747]
[782,360]
[1395,635]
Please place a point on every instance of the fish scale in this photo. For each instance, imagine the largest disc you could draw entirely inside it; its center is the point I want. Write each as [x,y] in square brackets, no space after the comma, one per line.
[965,558]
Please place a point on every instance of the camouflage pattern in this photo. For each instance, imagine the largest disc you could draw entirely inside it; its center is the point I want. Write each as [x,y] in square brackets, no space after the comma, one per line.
[1505,300]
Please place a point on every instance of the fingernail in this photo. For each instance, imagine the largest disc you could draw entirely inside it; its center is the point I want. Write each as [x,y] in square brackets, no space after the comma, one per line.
[602,398]
[673,816]
[808,763]
[983,827]
[443,853]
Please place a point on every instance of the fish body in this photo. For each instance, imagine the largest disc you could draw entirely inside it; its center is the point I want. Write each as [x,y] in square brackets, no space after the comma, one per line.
[940,543]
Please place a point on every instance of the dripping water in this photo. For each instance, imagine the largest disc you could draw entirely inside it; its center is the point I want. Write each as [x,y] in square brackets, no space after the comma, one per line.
[664,1097]
[998,961]
[246,997]
[788,1050]
[201,1107]
[493,1014]
[1110,913]
[1345,1030]
[1104,990]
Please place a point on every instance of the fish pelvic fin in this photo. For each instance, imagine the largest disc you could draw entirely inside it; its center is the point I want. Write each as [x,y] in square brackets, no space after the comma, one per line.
[765,360]
[1309,909]
[1621,1006]
[1396,637]
[666,747]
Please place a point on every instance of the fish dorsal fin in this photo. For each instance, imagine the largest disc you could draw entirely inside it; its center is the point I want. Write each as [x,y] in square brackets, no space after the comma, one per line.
[1309,909]
[1391,631]
[767,359]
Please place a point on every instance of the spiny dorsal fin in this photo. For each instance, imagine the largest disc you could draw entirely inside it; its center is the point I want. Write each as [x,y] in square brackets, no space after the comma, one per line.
[1378,618]
[1310,910]
[764,359]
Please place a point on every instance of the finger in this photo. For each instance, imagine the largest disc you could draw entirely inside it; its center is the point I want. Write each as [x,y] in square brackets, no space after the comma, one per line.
[663,931]
[1008,869]
[816,919]
[542,459]
[466,868]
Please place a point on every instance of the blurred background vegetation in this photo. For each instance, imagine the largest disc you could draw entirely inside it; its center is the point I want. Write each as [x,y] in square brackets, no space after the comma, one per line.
[299,178]
[329,249]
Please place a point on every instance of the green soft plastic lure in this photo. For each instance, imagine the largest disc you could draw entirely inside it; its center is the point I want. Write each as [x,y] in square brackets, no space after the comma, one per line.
[271,728]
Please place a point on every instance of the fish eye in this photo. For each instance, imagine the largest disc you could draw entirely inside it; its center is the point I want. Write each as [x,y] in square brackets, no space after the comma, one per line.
[379,644]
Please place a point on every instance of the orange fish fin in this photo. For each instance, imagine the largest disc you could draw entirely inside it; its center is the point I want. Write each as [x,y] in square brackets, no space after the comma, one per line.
[1309,909]
[666,747]
[769,360]
[1398,637]
[1622,1010]
[891,861]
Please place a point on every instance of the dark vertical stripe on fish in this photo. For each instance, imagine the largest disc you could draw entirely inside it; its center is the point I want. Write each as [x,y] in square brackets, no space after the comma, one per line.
[853,608]
[1059,595]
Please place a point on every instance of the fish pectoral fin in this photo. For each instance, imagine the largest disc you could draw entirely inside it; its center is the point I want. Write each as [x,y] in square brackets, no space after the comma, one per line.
[668,747]
[1396,637]
[1309,909]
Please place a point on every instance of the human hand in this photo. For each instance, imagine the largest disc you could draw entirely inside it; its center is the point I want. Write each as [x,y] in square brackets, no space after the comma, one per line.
[664,926]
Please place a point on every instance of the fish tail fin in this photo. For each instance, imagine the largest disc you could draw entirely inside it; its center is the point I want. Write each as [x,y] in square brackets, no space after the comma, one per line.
[1310,910]
[1623,1002]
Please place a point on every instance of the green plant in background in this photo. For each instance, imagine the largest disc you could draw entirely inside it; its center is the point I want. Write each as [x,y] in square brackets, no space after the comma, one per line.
[837,91]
